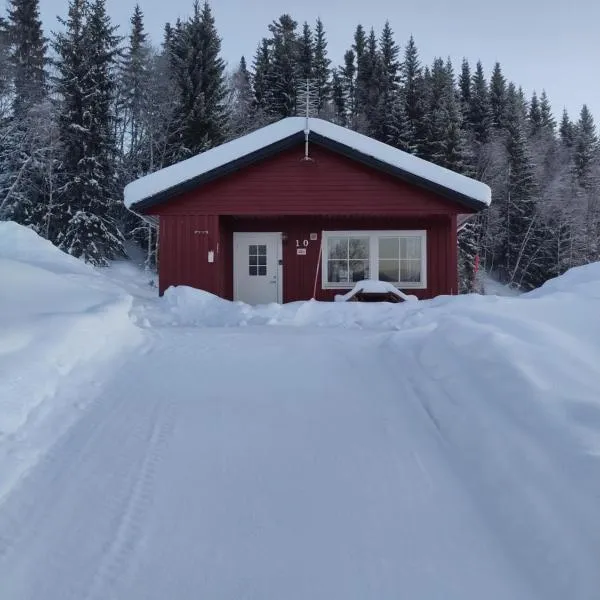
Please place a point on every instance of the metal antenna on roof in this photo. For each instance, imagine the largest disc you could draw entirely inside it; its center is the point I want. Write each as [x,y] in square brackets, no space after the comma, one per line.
[308,100]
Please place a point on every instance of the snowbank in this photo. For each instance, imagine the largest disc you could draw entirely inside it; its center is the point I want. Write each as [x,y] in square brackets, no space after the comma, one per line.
[188,307]
[56,314]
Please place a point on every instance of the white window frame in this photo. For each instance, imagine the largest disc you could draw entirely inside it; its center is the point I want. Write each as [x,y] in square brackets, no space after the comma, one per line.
[374,236]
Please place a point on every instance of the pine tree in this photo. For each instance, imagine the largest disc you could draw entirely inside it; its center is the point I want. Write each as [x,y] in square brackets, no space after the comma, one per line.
[87,52]
[480,113]
[321,73]
[498,97]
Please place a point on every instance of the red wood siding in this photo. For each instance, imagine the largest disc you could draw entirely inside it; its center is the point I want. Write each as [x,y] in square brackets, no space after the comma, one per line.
[329,184]
[286,194]
[184,244]
[299,271]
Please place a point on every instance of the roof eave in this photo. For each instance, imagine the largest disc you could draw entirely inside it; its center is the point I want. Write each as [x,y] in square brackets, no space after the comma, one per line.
[384,167]
[145,206]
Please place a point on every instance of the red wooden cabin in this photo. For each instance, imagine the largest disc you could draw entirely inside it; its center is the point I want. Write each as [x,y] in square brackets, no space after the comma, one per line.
[305,208]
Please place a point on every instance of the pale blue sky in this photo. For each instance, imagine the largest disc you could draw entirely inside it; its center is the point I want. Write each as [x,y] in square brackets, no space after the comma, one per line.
[540,44]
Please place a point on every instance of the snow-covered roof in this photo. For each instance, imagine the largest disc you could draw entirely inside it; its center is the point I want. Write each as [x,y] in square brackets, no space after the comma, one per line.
[170,181]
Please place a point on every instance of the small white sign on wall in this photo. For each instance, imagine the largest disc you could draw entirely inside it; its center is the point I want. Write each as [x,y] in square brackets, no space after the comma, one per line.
[301,251]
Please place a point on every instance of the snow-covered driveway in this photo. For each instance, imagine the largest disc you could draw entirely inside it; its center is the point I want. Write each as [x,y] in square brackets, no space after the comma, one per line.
[190,448]
[263,463]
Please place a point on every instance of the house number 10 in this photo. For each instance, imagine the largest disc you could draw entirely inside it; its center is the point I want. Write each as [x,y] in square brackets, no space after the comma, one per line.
[304,243]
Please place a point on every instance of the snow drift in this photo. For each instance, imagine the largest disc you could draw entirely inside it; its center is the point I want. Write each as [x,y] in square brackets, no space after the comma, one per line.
[56,314]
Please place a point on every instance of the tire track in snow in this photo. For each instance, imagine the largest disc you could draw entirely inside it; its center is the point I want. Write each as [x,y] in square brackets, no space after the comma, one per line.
[130,527]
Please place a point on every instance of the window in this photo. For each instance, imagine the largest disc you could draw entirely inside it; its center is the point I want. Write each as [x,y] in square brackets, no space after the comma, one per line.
[257,257]
[397,257]
[347,259]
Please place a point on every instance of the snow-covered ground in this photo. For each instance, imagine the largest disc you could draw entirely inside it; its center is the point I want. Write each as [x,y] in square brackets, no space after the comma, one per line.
[190,447]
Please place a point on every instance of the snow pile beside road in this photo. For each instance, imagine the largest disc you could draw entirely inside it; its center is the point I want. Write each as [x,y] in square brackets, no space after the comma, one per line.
[56,314]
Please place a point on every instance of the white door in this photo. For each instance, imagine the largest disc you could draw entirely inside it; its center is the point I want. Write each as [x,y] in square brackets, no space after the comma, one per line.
[256,267]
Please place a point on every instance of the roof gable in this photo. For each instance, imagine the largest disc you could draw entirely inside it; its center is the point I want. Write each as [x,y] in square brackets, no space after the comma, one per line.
[232,156]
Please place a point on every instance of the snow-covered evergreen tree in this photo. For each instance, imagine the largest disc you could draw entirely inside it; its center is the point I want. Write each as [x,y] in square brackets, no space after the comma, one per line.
[321,71]
[480,112]
[497,97]
[87,52]
[199,76]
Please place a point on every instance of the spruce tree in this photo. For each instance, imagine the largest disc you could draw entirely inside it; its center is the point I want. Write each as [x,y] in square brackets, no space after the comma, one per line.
[284,76]
[567,130]
[86,53]
[464,86]
[199,77]
[135,93]
[480,113]
[25,149]
[28,55]
[306,54]
[348,80]
[413,91]
[243,116]
[338,98]
[368,80]
[585,148]
[261,77]
[498,97]
[522,253]
[535,116]
[384,120]
[548,121]
[321,72]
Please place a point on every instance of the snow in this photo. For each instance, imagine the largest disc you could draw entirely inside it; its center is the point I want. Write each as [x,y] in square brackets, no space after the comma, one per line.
[374,286]
[56,316]
[179,173]
[434,449]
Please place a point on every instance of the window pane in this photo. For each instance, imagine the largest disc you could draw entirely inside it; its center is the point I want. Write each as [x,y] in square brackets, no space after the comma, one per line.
[389,270]
[359,248]
[337,271]
[410,271]
[262,250]
[359,270]
[337,248]
[389,248]
[252,270]
[262,260]
[252,250]
[262,270]
[253,260]
[410,247]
